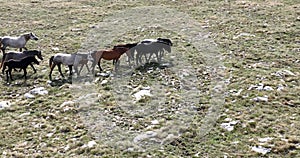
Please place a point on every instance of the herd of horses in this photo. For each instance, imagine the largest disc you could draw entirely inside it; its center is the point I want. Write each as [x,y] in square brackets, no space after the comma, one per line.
[137,53]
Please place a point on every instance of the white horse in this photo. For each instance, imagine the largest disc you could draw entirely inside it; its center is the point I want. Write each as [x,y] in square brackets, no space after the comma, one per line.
[16,42]
[70,60]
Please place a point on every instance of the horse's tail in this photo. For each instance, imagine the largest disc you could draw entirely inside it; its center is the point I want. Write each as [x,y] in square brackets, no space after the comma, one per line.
[51,61]
[2,61]
[0,43]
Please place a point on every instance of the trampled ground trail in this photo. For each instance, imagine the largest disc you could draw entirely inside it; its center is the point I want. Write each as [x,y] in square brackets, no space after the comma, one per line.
[107,127]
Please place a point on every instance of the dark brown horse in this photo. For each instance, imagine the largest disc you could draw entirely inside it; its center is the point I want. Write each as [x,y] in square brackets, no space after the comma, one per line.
[23,64]
[112,54]
[129,53]
[20,55]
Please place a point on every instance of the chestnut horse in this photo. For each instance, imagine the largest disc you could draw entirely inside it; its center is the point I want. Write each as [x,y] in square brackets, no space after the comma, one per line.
[112,54]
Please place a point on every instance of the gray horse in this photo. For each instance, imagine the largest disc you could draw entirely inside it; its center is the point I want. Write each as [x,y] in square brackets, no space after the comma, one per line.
[16,42]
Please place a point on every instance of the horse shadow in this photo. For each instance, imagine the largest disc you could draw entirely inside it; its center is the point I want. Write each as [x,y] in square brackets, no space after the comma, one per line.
[153,66]
[60,82]
[18,81]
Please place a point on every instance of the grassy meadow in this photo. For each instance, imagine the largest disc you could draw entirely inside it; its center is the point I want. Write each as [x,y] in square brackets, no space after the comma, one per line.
[258,58]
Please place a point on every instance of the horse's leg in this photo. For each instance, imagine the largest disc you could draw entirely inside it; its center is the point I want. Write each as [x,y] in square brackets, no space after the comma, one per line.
[33,68]
[3,68]
[3,57]
[51,69]
[7,76]
[158,58]
[3,50]
[71,71]
[24,48]
[100,65]
[59,69]
[25,73]
[80,69]
[10,76]
[76,68]
[93,66]
[116,65]
[136,59]
[87,67]
[147,61]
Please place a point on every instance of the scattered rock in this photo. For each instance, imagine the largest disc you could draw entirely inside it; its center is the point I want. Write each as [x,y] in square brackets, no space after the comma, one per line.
[238,92]
[280,87]
[4,104]
[104,82]
[261,87]
[24,114]
[90,144]
[67,103]
[284,73]
[103,74]
[142,93]
[55,48]
[39,91]
[155,122]
[143,136]
[230,125]
[28,96]
[263,140]
[260,99]
[49,135]
[261,149]
[243,34]
[36,91]
[67,147]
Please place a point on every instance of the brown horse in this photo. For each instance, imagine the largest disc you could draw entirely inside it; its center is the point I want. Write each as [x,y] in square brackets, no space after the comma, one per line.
[112,54]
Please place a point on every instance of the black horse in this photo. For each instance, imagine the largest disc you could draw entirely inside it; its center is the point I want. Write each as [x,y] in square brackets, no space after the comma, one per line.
[23,64]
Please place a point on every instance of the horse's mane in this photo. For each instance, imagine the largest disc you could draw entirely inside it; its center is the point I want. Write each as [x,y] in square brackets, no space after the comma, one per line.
[30,51]
[20,60]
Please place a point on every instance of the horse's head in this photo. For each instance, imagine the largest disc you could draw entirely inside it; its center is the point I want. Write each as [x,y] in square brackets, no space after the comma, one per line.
[89,57]
[165,40]
[33,37]
[39,55]
[35,61]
